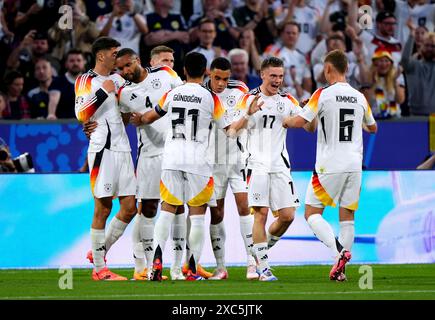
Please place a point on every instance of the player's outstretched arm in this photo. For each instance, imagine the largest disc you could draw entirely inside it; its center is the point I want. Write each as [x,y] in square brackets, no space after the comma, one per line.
[311,126]
[294,122]
[139,119]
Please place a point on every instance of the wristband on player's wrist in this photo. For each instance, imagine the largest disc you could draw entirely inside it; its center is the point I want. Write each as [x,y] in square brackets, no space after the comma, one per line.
[247,116]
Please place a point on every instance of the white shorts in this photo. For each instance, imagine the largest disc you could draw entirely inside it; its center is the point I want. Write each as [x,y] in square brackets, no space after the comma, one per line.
[179,187]
[273,190]
[328,189]
[232,175]
[148,173]
[112,173]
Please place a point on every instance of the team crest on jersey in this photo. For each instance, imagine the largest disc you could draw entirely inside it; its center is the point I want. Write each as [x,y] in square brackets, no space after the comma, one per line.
[280,107]
[108,187]
[156,84]
[257,196]
[231,101]
[79,100]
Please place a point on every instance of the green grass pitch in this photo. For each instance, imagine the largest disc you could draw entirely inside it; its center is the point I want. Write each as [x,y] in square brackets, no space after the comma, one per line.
[410,281]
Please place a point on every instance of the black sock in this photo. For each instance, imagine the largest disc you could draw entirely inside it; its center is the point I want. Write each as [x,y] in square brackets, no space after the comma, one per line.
[339,246]
[192,265]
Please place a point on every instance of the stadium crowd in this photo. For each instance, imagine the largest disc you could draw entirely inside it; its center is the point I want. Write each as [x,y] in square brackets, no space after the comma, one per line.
[391,47]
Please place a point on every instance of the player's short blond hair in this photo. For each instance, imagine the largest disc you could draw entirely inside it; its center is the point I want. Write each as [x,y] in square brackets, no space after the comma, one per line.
[338,60]
[160,49]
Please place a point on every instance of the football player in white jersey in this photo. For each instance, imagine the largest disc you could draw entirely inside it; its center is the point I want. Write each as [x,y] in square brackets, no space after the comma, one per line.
[342,113]
[142,91]
[229,159]
[109,157]
[270,184]
[147,86]
[186,173]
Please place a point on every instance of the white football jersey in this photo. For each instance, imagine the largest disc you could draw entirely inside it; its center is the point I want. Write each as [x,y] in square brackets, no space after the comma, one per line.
[144,96]
[266,136]
[191,108]
[341,112]
[93,103]
[225,150]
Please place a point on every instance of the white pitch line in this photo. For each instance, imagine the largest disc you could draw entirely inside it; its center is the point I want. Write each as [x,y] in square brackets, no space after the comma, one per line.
[220,294]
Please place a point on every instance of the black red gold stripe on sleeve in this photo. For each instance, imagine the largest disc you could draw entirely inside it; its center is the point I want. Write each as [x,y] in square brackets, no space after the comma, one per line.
[314,100]
[242,103]
[90,107]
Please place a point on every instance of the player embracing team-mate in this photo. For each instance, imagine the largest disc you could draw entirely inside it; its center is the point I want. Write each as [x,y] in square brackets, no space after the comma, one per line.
[145,86]
[229,161]
[109,154]
[270,184]
[342,113]
[186,174]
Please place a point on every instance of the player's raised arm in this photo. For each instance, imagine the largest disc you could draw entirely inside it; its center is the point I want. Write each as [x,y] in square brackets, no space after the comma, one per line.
[241,123]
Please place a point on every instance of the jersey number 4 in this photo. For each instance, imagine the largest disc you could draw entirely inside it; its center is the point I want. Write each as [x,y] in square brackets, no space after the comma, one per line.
[181,120]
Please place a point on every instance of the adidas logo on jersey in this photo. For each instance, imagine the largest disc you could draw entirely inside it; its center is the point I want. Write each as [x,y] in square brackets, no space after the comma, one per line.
[216,248]
[178,248]
[103,248]
[265,257]
[148,249]
[133,96]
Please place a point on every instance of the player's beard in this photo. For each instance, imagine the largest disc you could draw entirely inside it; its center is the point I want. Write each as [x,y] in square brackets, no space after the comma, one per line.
[136,75]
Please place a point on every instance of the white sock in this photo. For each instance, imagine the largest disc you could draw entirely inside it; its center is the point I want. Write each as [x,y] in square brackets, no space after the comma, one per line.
[138,251]
[114,232]
[347,234]
[188,225]
[271,239]
[196,236]
[161,229]
[98,245]
[323,232]
[178,239]
[246,224]
[260,250]
[147,236]
[217,237]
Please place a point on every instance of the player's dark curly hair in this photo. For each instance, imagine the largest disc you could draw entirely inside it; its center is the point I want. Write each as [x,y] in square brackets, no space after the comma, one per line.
[104,43]
[220,63]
